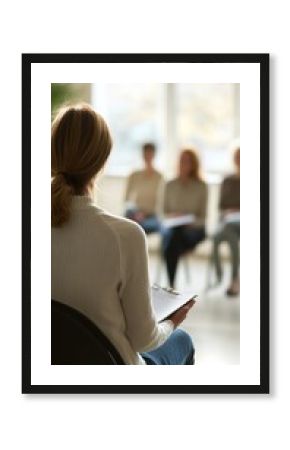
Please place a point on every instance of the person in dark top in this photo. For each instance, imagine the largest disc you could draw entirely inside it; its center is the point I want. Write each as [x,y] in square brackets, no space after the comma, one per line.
[229,228]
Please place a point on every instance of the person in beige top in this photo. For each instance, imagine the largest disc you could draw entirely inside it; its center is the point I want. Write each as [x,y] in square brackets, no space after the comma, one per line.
[143,193]
[99,262]
[185,195]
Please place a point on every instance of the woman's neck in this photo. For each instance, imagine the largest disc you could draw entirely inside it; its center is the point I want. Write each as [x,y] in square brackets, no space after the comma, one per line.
[149,169]
[184,178]
[88,190]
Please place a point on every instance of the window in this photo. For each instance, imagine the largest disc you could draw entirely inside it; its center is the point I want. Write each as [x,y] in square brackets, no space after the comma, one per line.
[205,116]
[133,113]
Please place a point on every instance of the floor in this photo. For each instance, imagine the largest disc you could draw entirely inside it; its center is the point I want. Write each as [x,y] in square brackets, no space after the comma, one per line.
[214,321]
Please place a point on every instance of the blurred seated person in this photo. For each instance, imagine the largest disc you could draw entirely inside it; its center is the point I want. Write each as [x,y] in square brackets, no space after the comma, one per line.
[229,228]
[143,192]
[184,196]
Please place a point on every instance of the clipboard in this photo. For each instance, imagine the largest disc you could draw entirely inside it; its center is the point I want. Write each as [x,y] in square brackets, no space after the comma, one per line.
[166,301]
[172,222]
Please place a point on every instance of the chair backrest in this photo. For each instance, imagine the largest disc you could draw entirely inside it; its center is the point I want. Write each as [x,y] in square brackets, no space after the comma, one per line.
[76,340]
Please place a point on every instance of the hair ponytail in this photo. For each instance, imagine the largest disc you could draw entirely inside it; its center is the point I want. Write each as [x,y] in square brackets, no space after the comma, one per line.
[80,145]
[61,197]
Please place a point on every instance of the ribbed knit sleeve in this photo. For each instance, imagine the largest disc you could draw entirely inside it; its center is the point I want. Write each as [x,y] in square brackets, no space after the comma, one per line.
[142,329]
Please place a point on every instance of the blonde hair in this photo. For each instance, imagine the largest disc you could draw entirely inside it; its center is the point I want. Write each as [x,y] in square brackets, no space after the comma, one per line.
[80,145]
[195,163]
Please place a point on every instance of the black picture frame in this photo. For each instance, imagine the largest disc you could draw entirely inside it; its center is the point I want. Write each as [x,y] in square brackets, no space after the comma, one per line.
[263,61]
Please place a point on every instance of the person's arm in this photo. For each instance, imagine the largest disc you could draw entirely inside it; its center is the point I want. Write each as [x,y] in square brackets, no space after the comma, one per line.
[142,329]
[224,193]
[159,210]
[202,206]
[166,200]
[129,186]
[226,203]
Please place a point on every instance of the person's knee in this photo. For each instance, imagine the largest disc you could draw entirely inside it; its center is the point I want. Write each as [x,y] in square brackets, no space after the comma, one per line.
[171,251]
[230,231]
[186,342]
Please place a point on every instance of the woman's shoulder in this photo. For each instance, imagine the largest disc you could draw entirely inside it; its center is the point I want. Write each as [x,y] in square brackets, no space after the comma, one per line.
[136,174]
[171,183]
[158,174]
[231,179]
[201,182]
[122,227]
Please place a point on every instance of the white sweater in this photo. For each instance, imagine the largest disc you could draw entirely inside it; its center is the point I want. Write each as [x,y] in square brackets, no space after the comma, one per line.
[99,265]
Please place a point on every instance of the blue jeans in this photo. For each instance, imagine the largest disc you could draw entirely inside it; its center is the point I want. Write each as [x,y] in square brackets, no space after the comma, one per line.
[178,349]
[150,223]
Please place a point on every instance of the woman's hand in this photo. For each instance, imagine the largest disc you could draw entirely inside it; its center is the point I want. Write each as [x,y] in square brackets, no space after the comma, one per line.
[180,315]
[139,216]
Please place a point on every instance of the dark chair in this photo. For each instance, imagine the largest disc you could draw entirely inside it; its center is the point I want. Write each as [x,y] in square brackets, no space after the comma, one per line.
[77,340]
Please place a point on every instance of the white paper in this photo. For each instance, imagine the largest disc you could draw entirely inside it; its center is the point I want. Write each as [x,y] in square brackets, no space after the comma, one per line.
[232,217]
[165,303]
[172,222]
